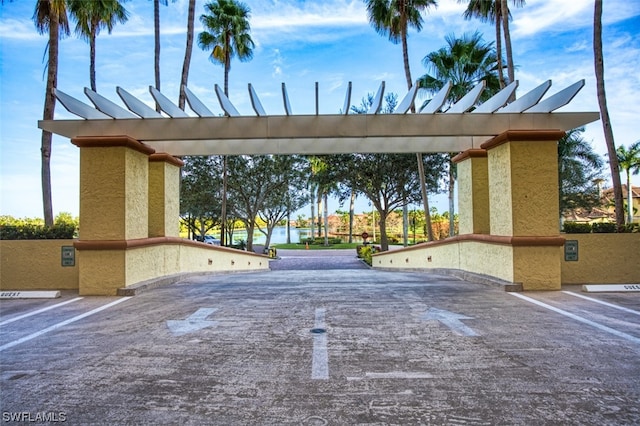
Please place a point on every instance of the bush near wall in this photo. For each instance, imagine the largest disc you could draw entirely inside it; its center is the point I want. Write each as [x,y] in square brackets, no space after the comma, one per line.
[64,228]
[597,228]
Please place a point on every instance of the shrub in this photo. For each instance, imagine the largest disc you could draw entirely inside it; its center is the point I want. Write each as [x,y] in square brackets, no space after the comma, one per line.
[365,254]
[603,227]
[577,228]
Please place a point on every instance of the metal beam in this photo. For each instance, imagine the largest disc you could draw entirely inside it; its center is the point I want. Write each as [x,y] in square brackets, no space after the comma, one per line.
[393,129]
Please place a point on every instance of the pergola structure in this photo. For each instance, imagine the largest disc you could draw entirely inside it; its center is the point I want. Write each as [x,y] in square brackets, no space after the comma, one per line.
[508,193]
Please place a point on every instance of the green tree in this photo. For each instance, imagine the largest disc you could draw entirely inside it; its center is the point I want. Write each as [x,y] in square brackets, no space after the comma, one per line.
[91,17]
[629,161]
[578,166]
[604,113]
[200,194]
[393,18]
[464,62]
[50,17]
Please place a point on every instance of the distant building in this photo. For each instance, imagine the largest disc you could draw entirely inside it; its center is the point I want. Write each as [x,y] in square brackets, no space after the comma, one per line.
[605,212]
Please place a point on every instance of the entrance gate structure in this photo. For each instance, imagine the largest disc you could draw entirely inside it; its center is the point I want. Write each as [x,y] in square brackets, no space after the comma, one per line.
[507,177]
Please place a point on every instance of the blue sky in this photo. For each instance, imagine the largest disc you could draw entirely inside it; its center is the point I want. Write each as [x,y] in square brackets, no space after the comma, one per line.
[299,43]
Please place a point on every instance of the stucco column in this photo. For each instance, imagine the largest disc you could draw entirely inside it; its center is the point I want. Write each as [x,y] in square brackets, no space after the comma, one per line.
[114,209]
[523,176]
[473,191]
[113,188]
[524,206]
[164,195]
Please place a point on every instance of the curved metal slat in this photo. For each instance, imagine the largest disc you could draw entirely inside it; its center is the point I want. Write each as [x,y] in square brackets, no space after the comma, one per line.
[225,103]
[255,101]
[528,100]
[196,104]
[106,106]
[558,100]
[376,105]
[136,106]
[347,100]
[405,105]
[165,104]
[498,100]
[78,108]
[438,100]
[285,100]
[468,100]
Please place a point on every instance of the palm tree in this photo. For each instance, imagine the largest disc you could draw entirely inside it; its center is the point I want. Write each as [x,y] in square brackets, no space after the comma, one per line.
[578,167]
[604,113]
[393,18]
[187,54]
[492,10]
[629,161]
[464,62]
[91,17]
[226,35]
[50,16]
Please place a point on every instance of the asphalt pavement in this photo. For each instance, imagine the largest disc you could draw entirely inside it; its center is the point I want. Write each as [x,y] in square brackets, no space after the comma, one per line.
[323,340]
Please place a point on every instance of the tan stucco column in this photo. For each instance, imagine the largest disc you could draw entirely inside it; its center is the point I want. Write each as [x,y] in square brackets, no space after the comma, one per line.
[473,191]
[114,209]
[524,205]
[164,195]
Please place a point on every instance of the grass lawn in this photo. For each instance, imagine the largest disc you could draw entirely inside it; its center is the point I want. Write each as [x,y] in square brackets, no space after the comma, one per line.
[297,246]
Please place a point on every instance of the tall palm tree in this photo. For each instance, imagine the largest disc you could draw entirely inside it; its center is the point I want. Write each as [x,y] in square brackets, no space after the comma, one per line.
[50,17]
[629,161]
[187,54]
[393,18]
[464,62]
[226,35]
[91,17]
[604,113]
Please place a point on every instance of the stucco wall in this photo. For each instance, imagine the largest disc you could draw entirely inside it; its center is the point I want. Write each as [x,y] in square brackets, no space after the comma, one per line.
[603,259]
[36,265]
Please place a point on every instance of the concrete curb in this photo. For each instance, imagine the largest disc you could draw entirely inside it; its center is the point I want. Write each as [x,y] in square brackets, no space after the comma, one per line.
[465,276]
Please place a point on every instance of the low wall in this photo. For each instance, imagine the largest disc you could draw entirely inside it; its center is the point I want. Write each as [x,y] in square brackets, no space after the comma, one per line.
[101,268]
[36,265]
[537,264]
[603,259]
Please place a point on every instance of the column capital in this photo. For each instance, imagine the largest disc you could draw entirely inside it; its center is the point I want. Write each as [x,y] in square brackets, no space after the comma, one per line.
[523,135]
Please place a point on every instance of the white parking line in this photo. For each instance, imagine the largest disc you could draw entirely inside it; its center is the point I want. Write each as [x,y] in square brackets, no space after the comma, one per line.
[611,305]
[320,362]
[580,319]
[62,324]
[28,314]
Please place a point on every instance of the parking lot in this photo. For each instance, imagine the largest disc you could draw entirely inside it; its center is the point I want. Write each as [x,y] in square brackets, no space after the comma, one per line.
[309,346]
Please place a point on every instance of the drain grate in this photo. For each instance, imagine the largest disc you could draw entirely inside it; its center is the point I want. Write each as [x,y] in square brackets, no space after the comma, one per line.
[318,330]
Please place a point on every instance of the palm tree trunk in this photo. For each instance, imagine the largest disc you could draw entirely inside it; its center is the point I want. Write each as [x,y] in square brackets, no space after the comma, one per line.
[405,57]
[92,57]
[313,210]
[604,113]
[425,200]
[352,207]
[156,25]
[325,203]
[499,51]
[223,212]
[452,183]
[507,39]
[187,54]
[49,108]
[629,198]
